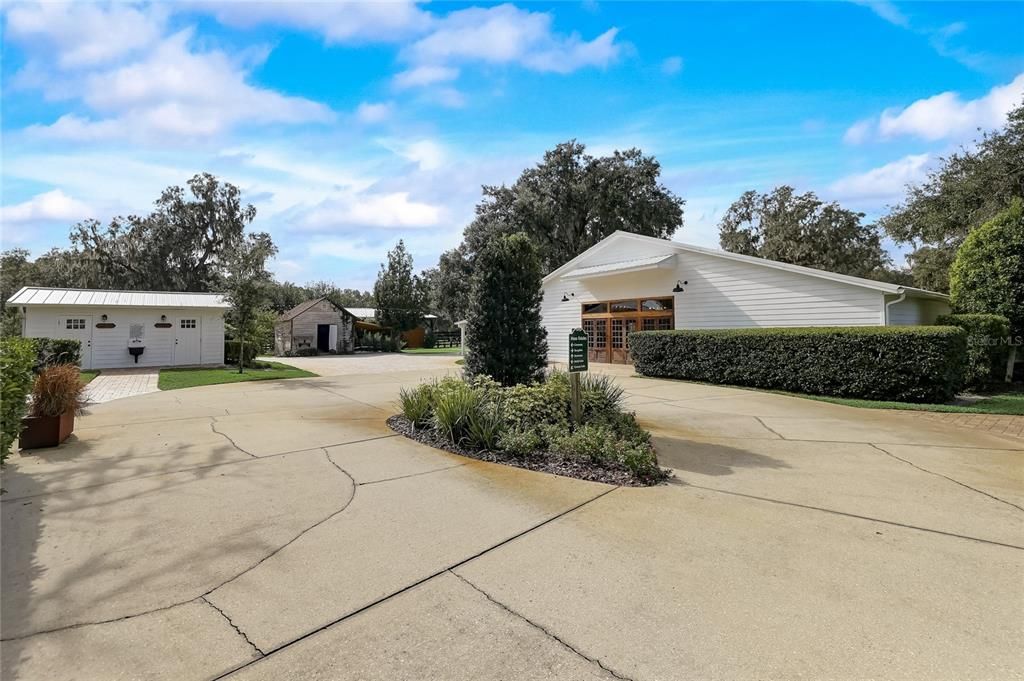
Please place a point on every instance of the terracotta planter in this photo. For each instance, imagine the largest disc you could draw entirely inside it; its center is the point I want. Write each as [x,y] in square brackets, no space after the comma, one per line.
[46,431]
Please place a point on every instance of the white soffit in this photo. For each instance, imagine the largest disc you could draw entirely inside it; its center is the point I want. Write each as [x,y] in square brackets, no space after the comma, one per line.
[621,267]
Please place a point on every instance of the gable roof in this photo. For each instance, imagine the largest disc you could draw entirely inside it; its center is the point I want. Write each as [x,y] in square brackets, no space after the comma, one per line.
[41,295]
[677,246]
[304,306]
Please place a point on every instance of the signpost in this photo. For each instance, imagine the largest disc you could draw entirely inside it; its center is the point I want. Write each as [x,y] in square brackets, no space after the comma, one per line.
[578,361]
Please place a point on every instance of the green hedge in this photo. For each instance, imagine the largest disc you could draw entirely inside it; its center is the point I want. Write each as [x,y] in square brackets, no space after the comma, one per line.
[54,351]
[903,364]
[987,348]
[232,349]
[17,356]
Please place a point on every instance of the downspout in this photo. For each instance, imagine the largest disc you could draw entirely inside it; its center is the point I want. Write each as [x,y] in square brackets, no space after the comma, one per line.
[902,297]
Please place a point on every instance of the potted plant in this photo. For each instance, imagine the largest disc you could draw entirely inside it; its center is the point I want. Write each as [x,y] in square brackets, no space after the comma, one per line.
[56,398]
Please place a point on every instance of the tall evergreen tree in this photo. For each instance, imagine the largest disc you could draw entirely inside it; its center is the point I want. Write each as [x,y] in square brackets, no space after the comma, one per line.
[506,338]
[401,300]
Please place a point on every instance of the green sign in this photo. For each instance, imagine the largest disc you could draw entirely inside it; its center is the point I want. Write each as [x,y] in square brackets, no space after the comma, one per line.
[577,351]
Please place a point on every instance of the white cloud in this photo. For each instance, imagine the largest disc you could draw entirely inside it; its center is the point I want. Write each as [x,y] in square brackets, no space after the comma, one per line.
[883,184]
[887,11]
[389,211]
[337,22]
[174,93]
[943,116]
[368,112]
[51,206]
[83,34]
[672,66]
[508,35]
[424,75]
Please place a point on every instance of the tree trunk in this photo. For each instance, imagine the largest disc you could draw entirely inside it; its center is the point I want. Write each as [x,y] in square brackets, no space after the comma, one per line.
[1010,362]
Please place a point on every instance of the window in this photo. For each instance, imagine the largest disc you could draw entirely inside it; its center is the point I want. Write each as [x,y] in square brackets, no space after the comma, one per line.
[187,323]
[595,308]
[74,323]
[624,306]
[656,304]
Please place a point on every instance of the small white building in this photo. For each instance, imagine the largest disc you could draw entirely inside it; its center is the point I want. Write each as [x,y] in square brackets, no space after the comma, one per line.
[629,282]
[120,329]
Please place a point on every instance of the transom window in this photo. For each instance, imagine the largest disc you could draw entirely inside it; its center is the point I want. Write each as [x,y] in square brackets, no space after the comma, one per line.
[187,323]
[656,304]
[74,323]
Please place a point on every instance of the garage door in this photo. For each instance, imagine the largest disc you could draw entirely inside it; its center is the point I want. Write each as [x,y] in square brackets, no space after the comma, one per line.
[186,343]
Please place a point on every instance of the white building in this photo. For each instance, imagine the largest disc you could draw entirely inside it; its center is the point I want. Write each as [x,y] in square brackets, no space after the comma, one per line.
[161,328]
[630,283]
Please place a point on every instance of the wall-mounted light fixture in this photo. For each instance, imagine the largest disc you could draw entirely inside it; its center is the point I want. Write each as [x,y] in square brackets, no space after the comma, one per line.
[565,298]
[678,288]
[103,317]
[163,318]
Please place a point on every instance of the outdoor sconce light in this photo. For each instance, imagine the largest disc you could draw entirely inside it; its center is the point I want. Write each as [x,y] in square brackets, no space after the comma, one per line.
[565,298]
[163,318]
[103,317]
[678,288]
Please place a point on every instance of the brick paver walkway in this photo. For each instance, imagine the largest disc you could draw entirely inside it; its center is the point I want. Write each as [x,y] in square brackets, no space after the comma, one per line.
[114,384]
[992,423]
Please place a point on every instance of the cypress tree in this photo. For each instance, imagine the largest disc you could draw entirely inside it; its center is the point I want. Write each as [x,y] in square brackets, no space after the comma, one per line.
[506,339]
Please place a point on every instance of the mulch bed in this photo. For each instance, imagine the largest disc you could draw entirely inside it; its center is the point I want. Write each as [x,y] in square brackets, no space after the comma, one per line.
[539,462]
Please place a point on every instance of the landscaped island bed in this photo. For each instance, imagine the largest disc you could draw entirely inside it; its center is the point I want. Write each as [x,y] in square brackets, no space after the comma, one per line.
[530,426]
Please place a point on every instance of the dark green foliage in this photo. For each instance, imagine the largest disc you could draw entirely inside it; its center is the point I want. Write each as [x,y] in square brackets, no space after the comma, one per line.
[970,187]
[400,295]
[54,351]
[519,441]
[506,338]
[430,340]
[485,426]
[988,273]
[232,348]
[904,364]
[453,407]
[987,345]
[547,402]
[245,287]
[803,230]
[17,357]
[307,352]
[417,405]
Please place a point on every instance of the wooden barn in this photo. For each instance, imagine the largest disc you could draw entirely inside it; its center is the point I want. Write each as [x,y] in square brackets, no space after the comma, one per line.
[317,323]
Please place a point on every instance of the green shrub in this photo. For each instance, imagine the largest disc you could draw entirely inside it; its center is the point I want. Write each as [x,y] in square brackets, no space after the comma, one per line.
[17,356]
[521,441]
[601,395]
[485,425]
[527,406]
[452,410]
[306,352]
[589,442]
[987,347]
[232,349]
[56,351]
[430,341]
[417,404]
[902,364]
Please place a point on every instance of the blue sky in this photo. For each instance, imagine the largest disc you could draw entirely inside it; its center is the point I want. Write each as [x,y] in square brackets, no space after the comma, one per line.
[352,125]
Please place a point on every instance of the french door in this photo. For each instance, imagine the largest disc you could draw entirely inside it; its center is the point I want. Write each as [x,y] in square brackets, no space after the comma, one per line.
[609,323]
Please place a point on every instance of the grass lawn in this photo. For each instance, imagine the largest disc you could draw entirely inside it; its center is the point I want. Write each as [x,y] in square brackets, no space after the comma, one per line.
[173,379]
[87,375]
[431,351]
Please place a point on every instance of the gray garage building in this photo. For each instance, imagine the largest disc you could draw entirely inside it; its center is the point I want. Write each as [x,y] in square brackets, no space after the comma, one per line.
[316,323]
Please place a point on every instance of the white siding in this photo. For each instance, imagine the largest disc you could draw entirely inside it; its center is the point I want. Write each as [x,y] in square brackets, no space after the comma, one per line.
[719,293]
[212,343]
[110,346]
[915,311]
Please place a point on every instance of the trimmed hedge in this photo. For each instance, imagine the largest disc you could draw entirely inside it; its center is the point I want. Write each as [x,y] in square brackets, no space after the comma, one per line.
[17,356]
[987,348]
[232,348]
[902,364]
[55,351]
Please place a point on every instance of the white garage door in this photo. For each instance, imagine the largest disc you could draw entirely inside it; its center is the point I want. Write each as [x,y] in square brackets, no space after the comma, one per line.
[186,344]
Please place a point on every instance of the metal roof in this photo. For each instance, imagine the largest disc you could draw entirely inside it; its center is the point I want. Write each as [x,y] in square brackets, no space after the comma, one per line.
[37,295]
[363,312]
[621,267]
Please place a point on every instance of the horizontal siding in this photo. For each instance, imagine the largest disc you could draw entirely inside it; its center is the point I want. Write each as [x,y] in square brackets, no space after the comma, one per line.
[211,344]
[916,311]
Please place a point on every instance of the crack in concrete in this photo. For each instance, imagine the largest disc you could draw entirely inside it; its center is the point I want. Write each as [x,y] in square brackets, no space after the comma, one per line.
[233,625]
[413,475]
[213,427]
[856,516]
[417,583]
[769,428]
[206,593]
[544,630]
[946,477]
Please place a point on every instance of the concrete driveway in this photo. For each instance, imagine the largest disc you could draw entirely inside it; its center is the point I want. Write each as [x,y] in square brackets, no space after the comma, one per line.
[278,530]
